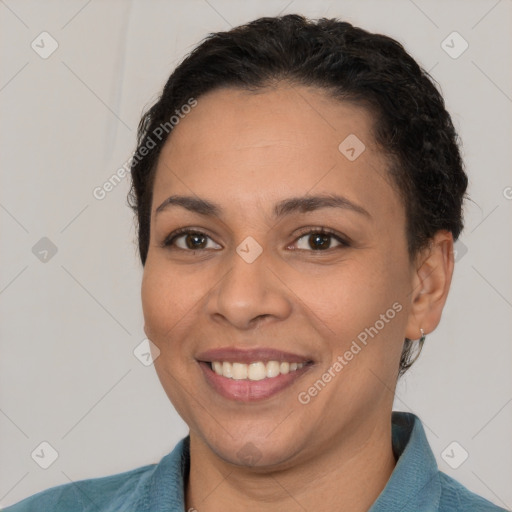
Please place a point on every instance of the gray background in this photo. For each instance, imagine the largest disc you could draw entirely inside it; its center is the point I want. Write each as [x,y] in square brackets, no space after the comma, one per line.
[70,323]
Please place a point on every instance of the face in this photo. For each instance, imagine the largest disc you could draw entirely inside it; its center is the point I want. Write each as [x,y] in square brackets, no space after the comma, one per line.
[294,254]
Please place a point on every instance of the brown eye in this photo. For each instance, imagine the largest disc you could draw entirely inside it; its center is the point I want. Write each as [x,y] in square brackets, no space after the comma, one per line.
[319,240]
[195,241]
[189,240]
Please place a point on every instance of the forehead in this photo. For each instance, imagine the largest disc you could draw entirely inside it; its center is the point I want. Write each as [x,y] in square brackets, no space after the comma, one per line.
[288,140]
[288,114]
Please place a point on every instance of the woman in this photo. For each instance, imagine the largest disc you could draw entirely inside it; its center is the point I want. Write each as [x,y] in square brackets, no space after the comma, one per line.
[298,188]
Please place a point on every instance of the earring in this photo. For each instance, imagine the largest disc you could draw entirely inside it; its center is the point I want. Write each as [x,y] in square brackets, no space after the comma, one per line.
[423,337]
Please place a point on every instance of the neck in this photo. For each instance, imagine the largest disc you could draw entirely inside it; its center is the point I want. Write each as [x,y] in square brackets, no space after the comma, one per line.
[345,477]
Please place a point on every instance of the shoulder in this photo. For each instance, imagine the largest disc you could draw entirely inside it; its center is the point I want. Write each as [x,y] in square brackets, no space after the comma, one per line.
[456,497]
[110,493]
[146,488]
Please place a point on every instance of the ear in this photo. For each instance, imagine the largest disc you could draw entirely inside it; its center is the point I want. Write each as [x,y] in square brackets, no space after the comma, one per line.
[430,285]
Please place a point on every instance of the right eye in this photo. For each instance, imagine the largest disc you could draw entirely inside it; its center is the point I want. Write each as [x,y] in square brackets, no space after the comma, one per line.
[188,240]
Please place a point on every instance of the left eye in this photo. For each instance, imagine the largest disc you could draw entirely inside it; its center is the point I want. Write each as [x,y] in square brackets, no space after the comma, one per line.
[319,241]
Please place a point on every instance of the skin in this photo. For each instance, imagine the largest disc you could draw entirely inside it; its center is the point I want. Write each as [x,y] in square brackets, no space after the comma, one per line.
[247,151]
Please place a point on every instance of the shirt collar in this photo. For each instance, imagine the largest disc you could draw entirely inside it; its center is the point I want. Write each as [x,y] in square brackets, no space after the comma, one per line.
[414,483]
[167,488]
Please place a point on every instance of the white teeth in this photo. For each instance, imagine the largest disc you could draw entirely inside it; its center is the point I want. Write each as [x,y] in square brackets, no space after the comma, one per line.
[272,369]
[239,371]
[257,371]
[254,371]
[227,370]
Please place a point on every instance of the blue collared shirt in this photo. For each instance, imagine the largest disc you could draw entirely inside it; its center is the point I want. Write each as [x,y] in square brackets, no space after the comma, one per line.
[416,484]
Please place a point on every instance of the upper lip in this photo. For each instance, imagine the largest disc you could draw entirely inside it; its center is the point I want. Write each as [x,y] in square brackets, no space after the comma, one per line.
[239,355]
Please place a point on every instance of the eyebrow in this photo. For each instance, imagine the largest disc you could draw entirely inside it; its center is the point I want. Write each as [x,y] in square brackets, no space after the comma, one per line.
[285,207]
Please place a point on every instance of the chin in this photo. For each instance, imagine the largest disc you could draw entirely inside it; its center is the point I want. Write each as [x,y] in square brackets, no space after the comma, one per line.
[256,451]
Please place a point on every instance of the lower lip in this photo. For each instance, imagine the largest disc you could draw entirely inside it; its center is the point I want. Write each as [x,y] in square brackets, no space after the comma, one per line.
[250,390]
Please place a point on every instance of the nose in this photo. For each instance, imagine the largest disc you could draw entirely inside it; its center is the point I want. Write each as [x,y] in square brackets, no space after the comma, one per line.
[249,294]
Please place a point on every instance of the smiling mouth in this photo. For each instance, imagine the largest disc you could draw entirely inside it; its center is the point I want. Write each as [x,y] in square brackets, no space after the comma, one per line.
[254,371]
[252,382]
[248,375]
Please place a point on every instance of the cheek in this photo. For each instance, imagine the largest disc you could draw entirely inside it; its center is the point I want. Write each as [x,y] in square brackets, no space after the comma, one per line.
[351,296]
[359,309]
[166,298]
[165,303]
[153,302]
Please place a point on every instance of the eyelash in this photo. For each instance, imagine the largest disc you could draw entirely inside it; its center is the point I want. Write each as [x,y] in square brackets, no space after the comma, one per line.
[169,240]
